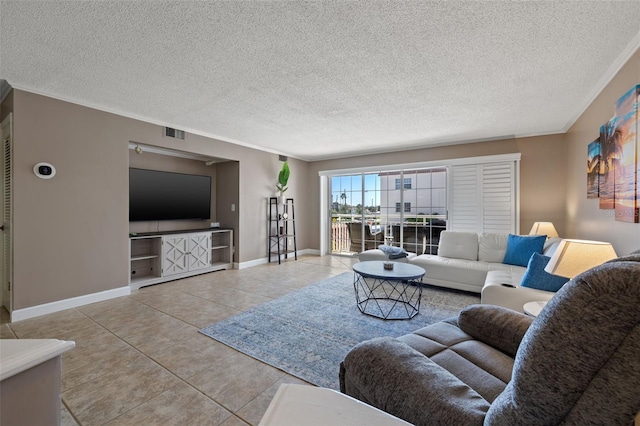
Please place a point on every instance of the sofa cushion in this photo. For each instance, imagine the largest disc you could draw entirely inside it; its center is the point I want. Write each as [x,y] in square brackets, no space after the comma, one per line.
[458,245]
[492,247]
[377,254]
[520,248]
[499,327]
[469,275]
[537,277]
[409,385]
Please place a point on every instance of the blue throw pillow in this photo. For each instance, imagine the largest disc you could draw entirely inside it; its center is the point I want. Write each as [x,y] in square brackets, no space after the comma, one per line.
[536,277]
[520,248]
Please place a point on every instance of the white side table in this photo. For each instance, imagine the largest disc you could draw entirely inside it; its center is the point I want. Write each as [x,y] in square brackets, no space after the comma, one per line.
[533,308]
[295,405]
[30,380]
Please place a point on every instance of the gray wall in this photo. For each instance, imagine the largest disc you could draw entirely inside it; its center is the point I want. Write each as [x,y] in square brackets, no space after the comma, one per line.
[71,232]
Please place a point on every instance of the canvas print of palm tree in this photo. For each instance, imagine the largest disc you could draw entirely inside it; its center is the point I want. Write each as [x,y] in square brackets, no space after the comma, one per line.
[625,138]
[609,158]
[593,169]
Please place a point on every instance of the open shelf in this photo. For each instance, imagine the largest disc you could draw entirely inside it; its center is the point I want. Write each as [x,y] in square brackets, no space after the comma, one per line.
[158,257]
[149,256]
[282,229]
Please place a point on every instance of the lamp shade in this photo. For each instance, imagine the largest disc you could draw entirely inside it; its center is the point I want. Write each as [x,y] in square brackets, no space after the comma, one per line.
[544,228]
[573,257]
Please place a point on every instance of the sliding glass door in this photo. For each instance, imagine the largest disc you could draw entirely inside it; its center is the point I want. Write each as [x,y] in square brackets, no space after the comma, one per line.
[403,208]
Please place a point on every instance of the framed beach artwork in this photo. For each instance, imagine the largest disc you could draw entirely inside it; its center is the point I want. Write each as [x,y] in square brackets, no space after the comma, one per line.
[613,160]
[593,169]
[608,162]
[627,194]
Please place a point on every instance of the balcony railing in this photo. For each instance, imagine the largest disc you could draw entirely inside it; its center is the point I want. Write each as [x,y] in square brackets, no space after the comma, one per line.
[420,233]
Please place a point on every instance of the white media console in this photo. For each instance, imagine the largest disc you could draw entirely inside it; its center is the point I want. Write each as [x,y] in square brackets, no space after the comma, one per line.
[156,257]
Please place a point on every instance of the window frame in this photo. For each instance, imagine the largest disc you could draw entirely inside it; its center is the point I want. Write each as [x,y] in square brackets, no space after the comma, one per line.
[326,174]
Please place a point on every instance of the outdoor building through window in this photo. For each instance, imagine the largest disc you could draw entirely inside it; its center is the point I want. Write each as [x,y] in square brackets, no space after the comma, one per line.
[407,183]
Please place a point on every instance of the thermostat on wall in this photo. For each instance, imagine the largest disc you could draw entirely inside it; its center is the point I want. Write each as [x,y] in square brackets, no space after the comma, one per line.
[44,170]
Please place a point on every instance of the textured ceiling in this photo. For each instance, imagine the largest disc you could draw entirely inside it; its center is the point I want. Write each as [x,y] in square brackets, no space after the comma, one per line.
[325,79]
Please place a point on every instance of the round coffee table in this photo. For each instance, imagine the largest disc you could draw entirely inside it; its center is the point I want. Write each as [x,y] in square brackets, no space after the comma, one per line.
[388,293]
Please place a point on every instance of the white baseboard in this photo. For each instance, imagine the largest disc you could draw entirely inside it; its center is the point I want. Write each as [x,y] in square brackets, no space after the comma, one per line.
[313,252]
[74,302]
[264,260]
[251,263]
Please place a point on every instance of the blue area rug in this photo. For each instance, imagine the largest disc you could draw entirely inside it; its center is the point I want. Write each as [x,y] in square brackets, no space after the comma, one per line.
[307,333]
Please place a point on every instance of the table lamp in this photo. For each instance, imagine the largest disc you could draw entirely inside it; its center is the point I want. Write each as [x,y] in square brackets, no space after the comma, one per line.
[573,257]
[544,228]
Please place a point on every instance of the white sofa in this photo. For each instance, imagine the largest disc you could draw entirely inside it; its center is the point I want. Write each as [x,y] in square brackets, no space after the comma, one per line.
[473,262]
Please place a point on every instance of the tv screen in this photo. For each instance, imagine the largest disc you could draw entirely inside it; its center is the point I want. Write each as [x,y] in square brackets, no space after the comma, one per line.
[156,195]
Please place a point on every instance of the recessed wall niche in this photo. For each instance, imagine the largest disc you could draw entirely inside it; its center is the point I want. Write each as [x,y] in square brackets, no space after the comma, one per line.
[144,158]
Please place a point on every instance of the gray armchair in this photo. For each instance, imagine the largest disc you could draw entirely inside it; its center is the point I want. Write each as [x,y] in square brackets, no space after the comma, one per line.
[576,363]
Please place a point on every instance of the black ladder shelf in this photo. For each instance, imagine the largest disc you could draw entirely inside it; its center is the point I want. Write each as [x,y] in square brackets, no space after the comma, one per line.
[282,229]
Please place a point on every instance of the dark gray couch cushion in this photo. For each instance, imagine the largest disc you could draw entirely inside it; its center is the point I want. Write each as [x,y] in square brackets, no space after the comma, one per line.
[409,385]
[474,359]
[442,351]
[496,326]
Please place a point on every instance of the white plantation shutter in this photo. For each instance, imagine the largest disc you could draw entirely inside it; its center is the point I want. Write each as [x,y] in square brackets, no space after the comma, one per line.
[465,198]
[498,201]
[484,198]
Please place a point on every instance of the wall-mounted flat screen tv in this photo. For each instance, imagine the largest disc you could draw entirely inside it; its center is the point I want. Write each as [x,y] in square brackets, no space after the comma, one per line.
[157,195]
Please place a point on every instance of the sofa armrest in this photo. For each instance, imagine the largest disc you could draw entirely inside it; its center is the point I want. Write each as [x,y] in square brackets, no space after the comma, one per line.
[512,296]
[496,326]
[392,376]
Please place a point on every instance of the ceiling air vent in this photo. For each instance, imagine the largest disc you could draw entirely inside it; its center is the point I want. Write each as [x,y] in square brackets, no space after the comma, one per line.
[174,133]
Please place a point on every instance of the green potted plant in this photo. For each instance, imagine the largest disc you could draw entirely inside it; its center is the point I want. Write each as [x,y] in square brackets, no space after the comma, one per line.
[283,178]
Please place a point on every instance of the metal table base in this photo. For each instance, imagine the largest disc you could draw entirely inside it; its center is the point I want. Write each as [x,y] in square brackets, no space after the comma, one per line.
[385,295]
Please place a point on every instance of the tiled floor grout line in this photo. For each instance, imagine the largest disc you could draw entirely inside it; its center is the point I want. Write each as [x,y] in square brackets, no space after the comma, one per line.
[155,362]
[137,350]
[70,412]
[175,375]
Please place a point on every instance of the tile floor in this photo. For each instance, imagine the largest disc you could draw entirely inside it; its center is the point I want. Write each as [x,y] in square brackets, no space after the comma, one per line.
[139,359]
